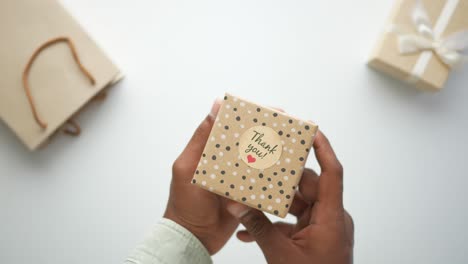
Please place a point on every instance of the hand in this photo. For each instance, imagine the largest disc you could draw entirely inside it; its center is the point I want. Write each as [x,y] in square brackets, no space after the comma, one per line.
[324,232]
[203,213]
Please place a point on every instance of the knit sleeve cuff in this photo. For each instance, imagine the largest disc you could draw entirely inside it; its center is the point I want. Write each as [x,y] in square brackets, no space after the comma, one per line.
[170,243]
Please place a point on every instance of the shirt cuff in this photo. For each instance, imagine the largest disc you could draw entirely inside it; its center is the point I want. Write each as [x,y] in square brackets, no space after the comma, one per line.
[170,243]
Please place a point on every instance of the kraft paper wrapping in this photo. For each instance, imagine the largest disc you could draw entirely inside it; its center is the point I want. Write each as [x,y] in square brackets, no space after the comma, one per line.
[255,155]
[58,86]
[386,57]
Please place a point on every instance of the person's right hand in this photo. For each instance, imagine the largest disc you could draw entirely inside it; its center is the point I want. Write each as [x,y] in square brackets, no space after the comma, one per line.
[324,232]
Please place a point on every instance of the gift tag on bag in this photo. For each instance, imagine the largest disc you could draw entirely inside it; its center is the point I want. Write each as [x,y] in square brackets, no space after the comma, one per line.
[49,69]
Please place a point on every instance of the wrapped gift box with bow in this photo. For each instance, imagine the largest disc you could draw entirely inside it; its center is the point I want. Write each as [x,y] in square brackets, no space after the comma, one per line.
[423,42]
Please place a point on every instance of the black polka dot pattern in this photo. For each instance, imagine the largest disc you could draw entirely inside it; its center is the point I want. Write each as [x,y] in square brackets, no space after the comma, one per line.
[221,170]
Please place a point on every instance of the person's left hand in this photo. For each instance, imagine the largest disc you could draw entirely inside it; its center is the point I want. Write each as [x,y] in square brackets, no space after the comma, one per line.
[201,212]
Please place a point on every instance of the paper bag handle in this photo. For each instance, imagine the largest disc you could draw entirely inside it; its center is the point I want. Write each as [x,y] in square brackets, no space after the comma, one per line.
[31,60]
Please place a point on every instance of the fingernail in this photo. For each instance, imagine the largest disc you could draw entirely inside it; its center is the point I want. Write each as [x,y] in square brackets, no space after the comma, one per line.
[237,210]
[215,108]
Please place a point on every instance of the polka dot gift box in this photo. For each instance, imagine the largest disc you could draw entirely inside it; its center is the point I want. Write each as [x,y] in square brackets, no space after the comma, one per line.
[255,155]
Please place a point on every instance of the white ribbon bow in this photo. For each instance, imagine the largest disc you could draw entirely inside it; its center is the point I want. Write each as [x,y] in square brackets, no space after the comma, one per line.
[450,49]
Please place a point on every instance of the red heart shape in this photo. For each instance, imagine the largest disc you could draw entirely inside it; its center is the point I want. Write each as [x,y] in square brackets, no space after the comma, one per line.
[250,159]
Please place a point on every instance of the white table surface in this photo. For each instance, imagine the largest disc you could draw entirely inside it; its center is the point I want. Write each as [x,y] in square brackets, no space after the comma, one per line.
[91,199]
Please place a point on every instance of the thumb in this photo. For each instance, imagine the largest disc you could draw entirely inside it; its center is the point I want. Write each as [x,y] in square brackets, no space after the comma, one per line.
[268,237]
[197,143]
[187,161]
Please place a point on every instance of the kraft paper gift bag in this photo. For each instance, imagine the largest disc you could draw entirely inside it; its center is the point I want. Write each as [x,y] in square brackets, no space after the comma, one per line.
[255,155]
[49,68]
[423,42]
